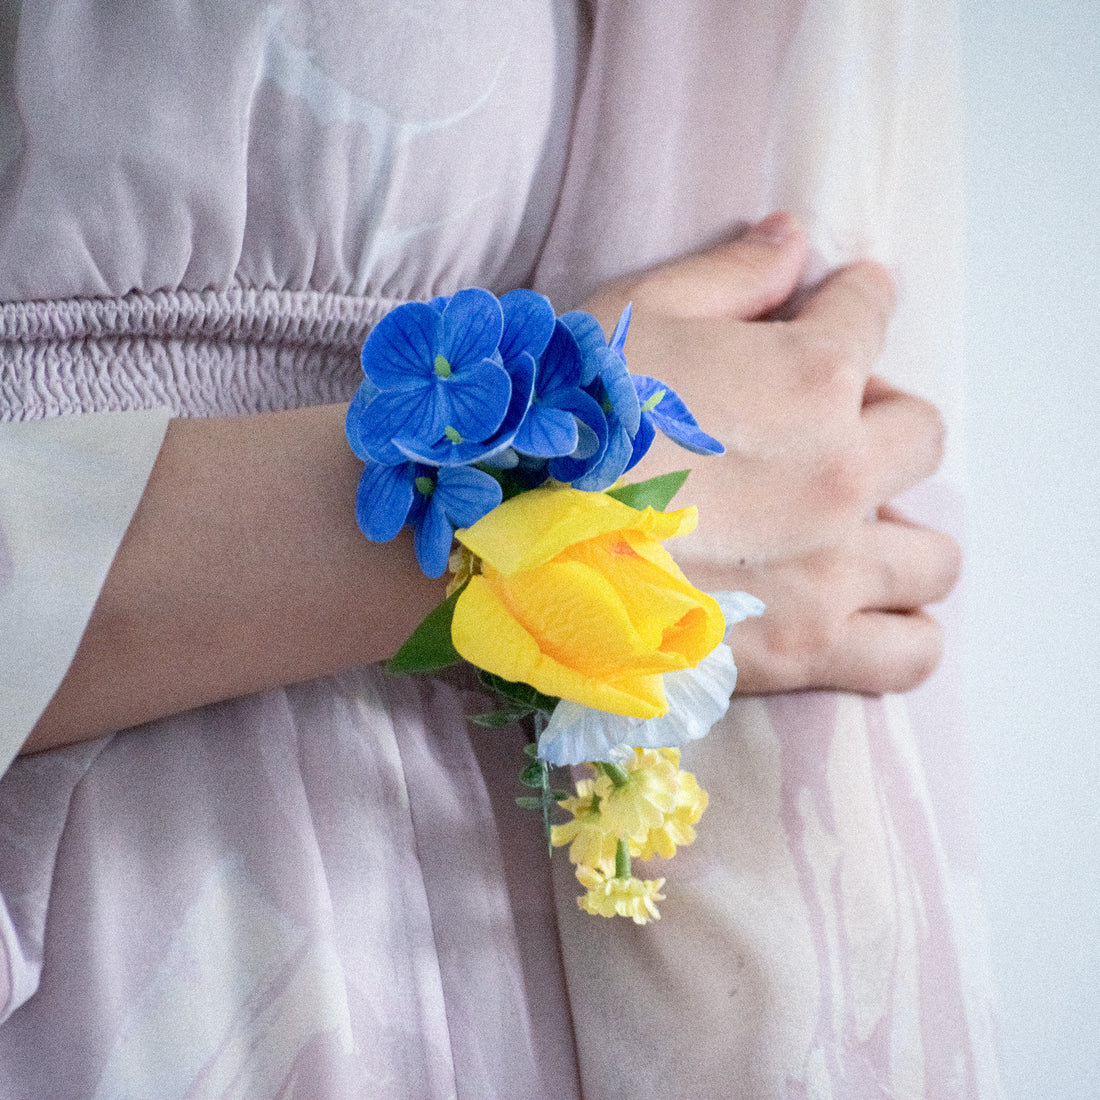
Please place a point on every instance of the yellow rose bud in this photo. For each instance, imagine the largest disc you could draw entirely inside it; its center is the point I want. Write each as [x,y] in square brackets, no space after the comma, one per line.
[578,598]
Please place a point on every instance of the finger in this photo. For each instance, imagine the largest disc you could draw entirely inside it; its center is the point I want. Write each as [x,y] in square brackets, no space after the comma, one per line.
[904,565]
[903,444]
[739,279]
[872,653]
[889,651]
[848,314]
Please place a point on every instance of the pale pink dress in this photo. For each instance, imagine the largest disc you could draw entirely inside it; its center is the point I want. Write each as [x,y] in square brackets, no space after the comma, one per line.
[327,891]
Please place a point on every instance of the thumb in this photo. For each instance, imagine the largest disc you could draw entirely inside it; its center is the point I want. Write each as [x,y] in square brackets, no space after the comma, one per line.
[741,279]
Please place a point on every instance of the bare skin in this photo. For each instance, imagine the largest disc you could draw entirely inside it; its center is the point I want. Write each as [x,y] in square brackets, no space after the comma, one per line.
[243,568]
[797,510]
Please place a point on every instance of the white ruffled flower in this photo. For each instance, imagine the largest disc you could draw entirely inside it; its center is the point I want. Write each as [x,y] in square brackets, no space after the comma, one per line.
[697,698]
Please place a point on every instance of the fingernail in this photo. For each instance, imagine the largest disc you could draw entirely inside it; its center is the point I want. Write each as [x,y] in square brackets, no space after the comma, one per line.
[775,228]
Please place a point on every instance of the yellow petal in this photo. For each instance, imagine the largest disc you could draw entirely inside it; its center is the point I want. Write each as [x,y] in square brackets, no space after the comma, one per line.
[534,527]
[486,634]
[665,608]
[580,621]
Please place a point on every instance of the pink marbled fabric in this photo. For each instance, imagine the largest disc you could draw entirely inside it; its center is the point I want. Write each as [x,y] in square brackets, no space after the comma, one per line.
[327,891]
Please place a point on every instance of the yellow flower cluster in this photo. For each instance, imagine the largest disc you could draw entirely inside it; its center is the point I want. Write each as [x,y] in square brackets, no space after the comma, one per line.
[643,808]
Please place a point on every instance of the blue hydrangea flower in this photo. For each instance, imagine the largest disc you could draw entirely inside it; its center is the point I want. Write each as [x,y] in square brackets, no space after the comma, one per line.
[528,322]
[438,374]
[433,501]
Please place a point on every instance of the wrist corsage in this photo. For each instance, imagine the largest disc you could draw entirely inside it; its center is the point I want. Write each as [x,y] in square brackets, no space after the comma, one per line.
[495,423]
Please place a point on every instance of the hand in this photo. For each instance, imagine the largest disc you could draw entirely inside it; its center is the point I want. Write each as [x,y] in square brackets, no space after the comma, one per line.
[795,512]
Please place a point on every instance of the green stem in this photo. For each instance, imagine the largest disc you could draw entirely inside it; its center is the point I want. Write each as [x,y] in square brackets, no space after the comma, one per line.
[620,777]
[622,860]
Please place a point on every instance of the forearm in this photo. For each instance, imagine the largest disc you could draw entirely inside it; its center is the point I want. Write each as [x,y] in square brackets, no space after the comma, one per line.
[243,569]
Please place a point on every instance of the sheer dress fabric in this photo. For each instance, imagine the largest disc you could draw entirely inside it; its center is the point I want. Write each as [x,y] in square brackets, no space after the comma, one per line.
[327,891]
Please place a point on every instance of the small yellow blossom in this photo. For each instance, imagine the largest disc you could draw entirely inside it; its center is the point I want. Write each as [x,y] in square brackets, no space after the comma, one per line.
[591,842]
[632,809]
[677,827]
[610,896]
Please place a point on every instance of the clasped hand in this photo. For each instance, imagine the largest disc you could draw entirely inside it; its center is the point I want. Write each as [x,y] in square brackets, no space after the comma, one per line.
[797,511]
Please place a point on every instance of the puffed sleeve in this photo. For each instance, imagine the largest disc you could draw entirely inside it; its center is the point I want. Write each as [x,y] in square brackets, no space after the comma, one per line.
[68,488]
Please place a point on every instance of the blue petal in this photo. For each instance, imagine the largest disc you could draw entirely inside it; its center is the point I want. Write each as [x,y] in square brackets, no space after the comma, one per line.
[589,413]
[697,698]
[588,442]
[400,351]
[472,327]
[501,460]
[467,494]
[547,432]
[618,337]
[560,366]
[577,734]
[433,537]
[353,422]
[642,441]
[528,323]
[383,500]
[620,390]
[611,465]
[585,328]
[521,370]
[445,453]
[478,398]
[407,416]
[590,339]
[674,418]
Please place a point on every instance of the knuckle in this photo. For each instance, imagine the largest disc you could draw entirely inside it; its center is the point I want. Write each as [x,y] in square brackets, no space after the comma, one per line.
[827,363]
[802,642]
[841,481]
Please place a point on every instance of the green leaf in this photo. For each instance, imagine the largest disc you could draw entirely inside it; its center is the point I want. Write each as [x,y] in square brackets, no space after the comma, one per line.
[494,719]
[534,775]
[429,647]
[517,694]
[505,716]
[656,493]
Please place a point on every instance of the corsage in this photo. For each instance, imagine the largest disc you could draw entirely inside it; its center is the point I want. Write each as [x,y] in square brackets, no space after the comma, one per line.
[499,425]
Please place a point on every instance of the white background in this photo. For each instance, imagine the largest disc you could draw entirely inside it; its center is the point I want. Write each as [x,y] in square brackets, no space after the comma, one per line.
[1031,77]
